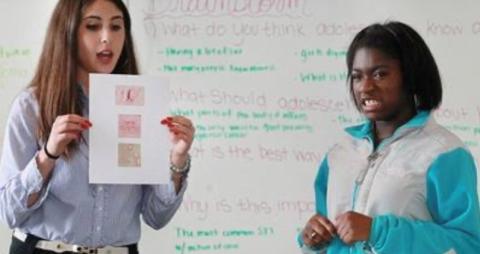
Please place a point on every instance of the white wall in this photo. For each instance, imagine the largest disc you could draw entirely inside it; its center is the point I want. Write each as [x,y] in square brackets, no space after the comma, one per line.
[256,155]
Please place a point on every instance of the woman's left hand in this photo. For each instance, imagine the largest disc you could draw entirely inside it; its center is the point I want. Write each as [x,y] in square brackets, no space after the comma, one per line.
[352,227]
[181,134]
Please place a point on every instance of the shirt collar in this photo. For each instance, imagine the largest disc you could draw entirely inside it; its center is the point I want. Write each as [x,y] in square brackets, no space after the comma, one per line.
[84,98]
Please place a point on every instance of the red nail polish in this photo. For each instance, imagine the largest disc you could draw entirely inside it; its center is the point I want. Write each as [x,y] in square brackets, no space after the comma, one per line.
[169,119]
[163,121]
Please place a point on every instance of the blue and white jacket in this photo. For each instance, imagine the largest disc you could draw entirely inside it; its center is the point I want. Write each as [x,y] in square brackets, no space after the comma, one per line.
[419,186]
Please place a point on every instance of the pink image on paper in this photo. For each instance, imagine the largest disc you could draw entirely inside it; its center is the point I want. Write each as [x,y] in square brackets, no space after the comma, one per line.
[129,155]
[129,126]
[130,95]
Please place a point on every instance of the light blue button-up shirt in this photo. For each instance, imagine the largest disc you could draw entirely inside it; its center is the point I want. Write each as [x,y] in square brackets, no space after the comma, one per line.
[70,209]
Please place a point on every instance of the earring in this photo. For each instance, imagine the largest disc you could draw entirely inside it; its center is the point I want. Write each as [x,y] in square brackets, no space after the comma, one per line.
[416,100]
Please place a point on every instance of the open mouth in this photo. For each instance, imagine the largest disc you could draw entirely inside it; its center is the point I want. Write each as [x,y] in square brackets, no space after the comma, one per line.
[370,104]
[105,56]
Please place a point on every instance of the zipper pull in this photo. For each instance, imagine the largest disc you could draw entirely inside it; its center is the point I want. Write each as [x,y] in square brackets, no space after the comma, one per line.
[373,156]
[371,162]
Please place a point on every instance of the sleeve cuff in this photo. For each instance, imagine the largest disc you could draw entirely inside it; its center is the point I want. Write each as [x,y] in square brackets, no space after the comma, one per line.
[378,225]
[31,179]
[307,250]
[167,194]
[171,189]
[33,182]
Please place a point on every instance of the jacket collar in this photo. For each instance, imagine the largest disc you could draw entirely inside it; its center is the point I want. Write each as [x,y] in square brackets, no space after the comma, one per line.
[365,130]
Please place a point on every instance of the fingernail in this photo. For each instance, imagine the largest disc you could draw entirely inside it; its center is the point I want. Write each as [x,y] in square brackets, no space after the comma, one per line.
[169,118]
[163,121]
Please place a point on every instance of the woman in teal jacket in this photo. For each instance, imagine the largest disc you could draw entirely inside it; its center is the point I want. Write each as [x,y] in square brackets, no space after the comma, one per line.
[399,183]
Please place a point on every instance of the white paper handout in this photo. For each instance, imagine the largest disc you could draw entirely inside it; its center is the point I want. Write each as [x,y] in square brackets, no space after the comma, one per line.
[127,143]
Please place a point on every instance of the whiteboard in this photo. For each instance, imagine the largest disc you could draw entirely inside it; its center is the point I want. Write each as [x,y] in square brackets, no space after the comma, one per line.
[264,82]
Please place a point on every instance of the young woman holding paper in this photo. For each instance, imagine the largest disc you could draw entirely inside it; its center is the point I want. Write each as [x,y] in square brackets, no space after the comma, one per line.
[408,185]
[44,191]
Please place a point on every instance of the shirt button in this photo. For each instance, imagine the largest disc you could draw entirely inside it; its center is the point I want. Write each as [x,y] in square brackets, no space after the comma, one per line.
[100,188]
[100,208]
[98,228]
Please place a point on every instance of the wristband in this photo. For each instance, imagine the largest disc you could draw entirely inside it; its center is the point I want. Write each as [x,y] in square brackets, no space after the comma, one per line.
[183,170]
[49,155]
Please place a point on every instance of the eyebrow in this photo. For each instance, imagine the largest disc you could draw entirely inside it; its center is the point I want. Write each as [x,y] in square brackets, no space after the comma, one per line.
[99,18]
[380,66]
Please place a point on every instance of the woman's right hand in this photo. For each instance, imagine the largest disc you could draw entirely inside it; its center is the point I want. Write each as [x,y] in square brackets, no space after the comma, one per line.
[318,231]
[65,129]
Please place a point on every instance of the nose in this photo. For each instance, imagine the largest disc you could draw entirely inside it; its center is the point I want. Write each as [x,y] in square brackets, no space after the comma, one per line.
[105,36]
[366,84]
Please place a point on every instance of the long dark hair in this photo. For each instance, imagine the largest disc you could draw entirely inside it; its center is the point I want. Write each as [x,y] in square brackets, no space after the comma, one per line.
[55,80]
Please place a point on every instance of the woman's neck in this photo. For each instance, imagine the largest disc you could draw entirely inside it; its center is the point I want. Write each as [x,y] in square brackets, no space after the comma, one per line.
[382,130]
[385,129]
